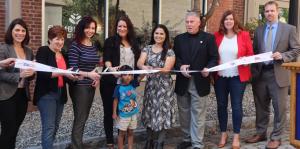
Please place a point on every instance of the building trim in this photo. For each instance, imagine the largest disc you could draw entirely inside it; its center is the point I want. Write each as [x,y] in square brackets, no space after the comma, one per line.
[159,11]
[106,13]
[13,11]
[43,22]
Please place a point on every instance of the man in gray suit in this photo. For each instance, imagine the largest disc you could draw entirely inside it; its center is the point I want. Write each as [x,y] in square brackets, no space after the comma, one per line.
[270,81]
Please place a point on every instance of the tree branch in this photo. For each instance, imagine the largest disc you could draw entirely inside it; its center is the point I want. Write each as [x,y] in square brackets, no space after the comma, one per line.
[210,12]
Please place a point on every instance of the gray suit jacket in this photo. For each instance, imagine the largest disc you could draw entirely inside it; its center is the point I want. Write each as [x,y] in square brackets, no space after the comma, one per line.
[9,77]
[286,42]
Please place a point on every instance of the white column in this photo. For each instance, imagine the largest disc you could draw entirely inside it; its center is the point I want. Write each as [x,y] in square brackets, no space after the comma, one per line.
[13,11]
[106,18]
[159,11]
[298,22]
[43,23]
[204,11]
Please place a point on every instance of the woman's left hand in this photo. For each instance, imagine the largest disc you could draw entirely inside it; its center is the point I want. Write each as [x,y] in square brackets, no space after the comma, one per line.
[71,76]
[93,75]
[95,83]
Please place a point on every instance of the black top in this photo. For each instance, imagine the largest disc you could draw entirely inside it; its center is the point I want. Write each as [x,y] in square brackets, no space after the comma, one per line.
[112,53]
[199,51]
[44,83]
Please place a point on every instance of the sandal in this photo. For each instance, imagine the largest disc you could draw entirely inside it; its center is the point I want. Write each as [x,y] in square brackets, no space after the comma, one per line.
[110,146]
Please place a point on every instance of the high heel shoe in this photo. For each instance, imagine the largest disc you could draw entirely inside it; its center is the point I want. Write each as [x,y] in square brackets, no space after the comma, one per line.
[236,147]
[221,145]
[236,136]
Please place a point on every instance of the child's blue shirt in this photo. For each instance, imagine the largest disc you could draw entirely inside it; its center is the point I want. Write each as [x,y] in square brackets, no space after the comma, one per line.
[126,95]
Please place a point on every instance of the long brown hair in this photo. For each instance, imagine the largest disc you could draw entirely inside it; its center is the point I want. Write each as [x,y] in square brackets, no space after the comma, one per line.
[166,44]
[237,26]
[83,24]
[131,36]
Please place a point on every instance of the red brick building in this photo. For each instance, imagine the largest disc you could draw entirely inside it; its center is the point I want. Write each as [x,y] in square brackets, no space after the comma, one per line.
[31,12]
[37,13]
[238,6]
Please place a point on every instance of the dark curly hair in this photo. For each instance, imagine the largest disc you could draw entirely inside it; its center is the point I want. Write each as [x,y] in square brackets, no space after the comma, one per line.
[131,37]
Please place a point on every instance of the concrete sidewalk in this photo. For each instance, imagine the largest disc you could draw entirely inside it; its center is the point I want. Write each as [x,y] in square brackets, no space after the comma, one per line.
[211,141]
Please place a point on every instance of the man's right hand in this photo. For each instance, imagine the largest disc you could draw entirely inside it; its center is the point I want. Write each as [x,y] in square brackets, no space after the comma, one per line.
[184,69]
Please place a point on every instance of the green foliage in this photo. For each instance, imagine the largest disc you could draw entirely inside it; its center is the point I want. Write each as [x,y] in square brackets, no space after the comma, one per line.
[253,24]
[76,9]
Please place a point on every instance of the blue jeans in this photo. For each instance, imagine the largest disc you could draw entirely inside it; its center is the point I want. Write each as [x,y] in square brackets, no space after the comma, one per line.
[233,86]
[51,108]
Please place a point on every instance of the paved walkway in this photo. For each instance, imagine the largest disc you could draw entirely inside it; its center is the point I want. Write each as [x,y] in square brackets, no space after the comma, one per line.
[174,137]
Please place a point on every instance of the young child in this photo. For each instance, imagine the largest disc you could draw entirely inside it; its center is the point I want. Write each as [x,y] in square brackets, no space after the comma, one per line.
[125,108]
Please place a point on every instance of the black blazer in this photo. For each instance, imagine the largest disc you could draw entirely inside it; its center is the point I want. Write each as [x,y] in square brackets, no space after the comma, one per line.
[112,53]
[44,82]
[198,51]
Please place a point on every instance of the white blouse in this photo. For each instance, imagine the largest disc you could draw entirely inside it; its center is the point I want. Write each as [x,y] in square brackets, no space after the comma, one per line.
[126,57]
[228,51]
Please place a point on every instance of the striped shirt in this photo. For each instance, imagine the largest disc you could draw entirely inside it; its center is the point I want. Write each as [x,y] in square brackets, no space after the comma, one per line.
[84,58]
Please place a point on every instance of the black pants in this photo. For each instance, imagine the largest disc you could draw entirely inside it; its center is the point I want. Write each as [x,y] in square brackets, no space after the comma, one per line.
[12,114]
[82,98]
[107,91]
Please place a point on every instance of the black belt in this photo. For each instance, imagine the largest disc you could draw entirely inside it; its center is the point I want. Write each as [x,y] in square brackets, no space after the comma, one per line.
[268,67]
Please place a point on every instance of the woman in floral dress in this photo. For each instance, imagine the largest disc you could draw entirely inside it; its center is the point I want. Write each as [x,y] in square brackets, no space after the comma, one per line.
[159,100]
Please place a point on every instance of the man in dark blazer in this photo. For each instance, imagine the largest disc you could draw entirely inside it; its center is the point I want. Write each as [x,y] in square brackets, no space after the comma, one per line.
[270,81]
[194,50]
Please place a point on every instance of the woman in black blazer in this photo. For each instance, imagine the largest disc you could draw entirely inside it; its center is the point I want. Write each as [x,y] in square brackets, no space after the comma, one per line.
[120,49]
[14,83]
[50,93]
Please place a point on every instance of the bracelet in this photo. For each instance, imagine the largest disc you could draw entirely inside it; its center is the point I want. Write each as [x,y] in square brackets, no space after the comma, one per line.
[87,74]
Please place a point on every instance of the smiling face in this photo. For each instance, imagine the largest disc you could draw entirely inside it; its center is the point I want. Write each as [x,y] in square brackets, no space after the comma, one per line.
[89,32]
[192,24]
[122,29]
[271,13]
[57,43]
[159,36]
[18,33]
[229,22]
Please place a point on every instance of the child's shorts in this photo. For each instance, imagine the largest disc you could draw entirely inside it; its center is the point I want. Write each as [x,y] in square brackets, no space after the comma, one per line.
[124,123]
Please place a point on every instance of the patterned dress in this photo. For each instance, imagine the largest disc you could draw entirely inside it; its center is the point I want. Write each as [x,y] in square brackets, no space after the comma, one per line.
[159,98]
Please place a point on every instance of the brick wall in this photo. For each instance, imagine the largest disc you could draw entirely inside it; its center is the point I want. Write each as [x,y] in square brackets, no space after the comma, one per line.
[2,20]
[235,5]
[238,8]
[32,15]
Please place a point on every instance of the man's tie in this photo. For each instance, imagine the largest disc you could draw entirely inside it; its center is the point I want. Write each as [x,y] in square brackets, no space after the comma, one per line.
[269,42]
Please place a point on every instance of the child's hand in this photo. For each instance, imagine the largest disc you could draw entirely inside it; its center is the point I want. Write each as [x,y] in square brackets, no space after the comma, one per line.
[114,116]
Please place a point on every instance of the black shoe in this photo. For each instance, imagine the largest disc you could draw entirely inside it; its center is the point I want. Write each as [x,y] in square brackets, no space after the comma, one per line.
[196,148]
[149,144]
[184,145]
[158,145]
